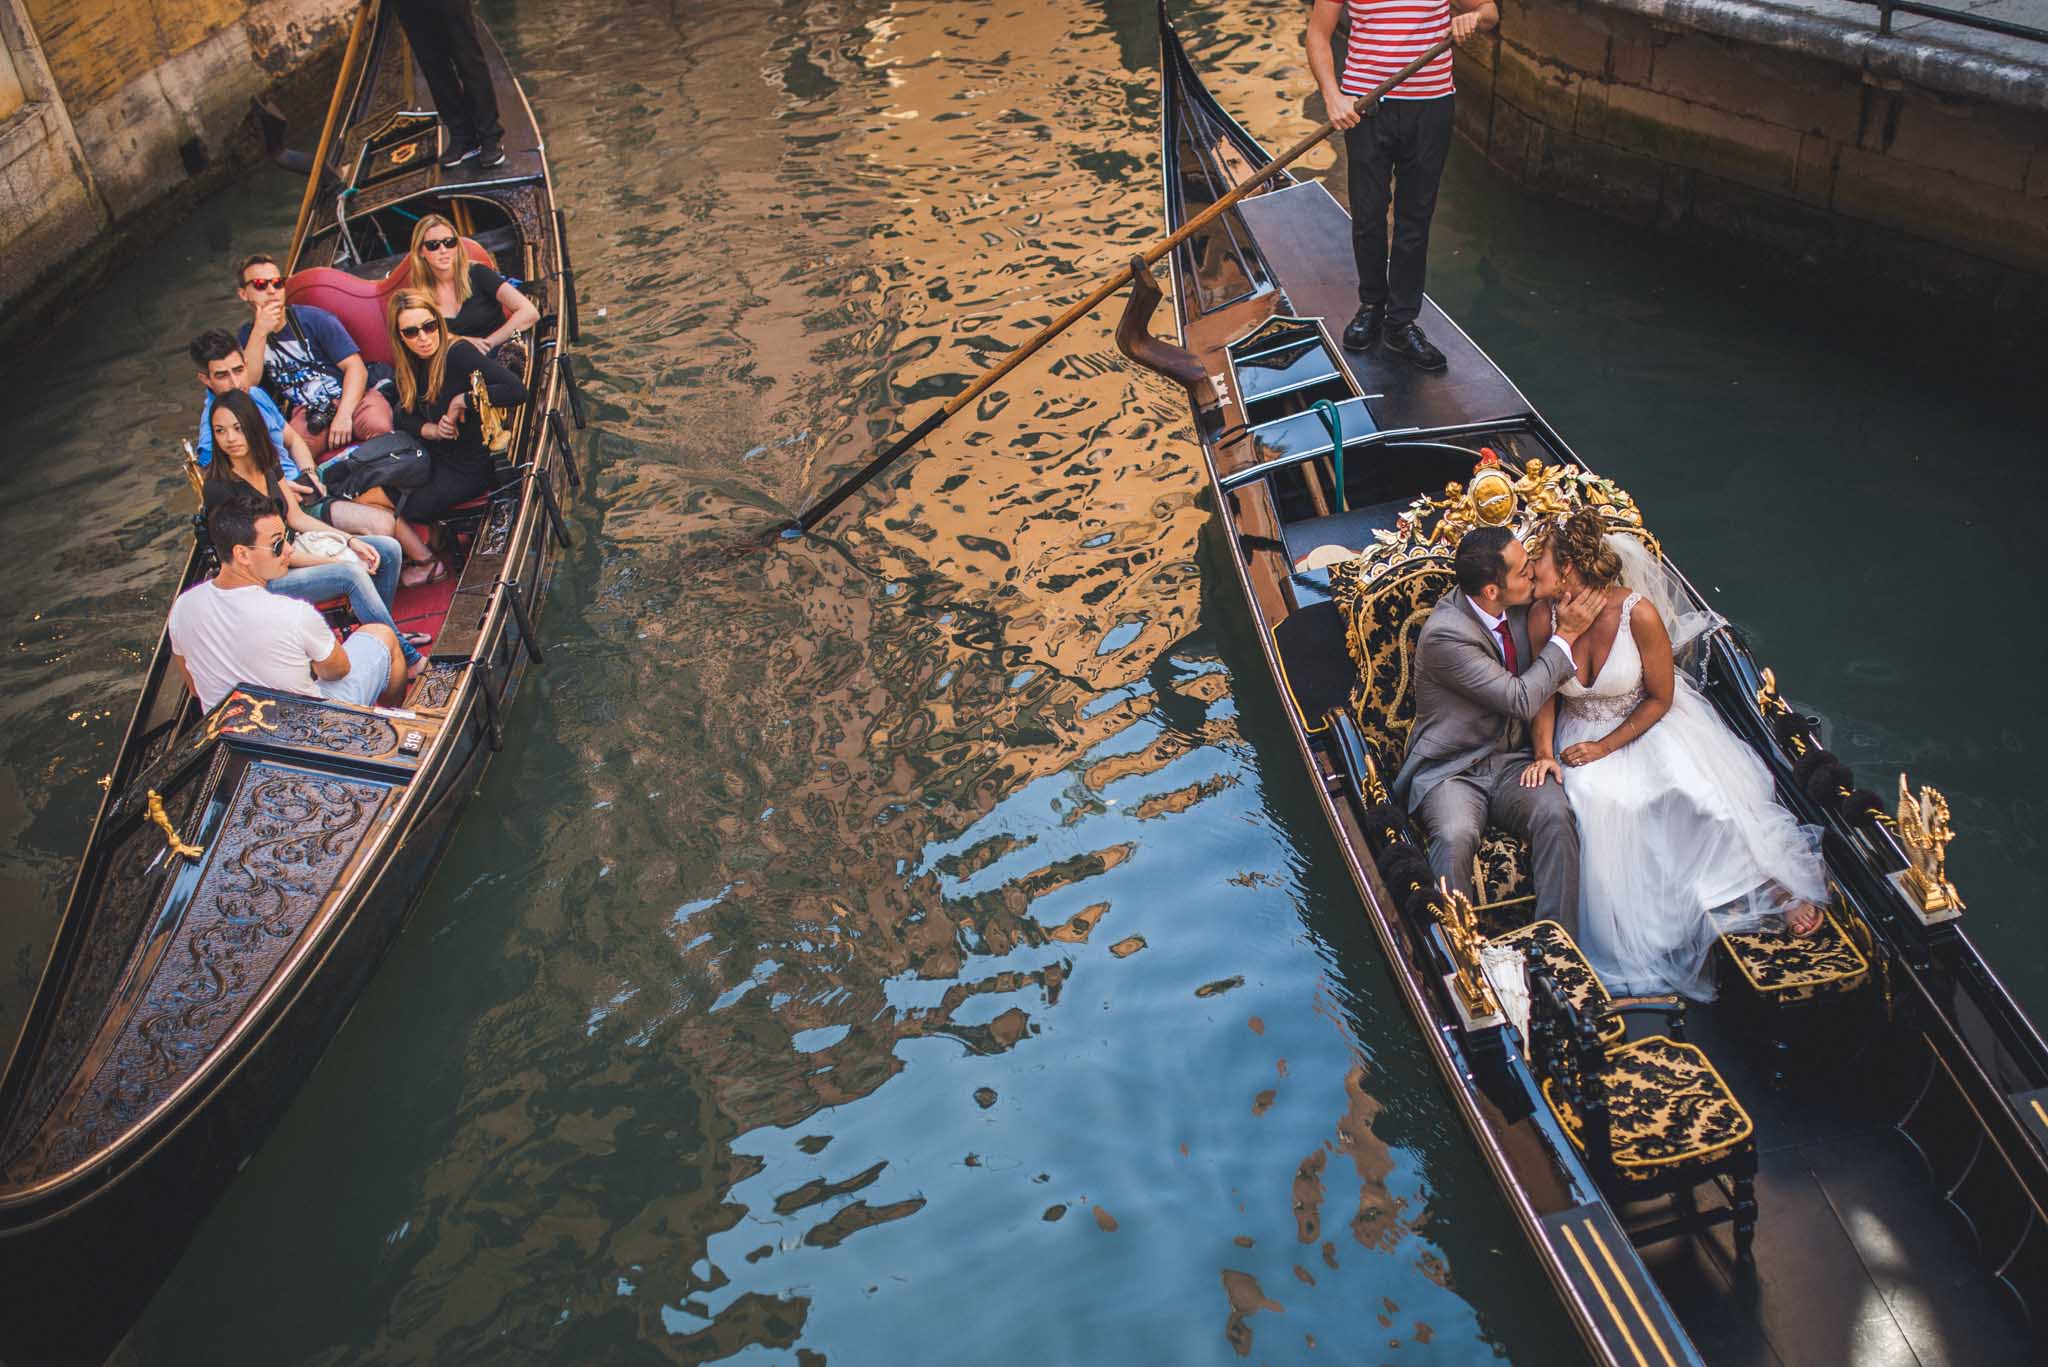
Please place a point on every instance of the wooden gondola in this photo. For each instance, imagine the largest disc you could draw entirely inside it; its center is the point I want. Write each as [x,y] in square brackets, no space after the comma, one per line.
[1844,1157]
[248,867]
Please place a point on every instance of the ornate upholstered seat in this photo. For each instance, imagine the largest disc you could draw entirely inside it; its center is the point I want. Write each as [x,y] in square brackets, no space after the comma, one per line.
[1783,968]
[1651,1117]
[1575,977]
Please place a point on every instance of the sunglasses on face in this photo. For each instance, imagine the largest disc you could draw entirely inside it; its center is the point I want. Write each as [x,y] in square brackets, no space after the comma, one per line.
[438,244]
[277,545]
[274,282]
[416,329]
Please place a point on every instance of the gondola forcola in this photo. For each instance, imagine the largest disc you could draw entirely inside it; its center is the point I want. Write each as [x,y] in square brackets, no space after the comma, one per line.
[250,865]
[1138,274]
[1796,1171]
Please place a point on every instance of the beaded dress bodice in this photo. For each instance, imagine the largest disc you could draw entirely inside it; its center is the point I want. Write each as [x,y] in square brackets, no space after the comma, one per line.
[1618,687]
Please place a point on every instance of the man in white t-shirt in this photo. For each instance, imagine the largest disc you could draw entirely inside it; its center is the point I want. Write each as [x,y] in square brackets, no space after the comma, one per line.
[233,630]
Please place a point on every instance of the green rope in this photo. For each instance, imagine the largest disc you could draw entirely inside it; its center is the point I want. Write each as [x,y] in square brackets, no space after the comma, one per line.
[1327,411]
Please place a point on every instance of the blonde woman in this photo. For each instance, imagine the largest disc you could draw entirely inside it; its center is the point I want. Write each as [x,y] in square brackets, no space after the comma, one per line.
[433,373]
[479,304]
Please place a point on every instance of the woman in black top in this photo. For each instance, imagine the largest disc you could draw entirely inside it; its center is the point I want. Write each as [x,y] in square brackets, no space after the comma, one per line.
[434,369]
[478,303]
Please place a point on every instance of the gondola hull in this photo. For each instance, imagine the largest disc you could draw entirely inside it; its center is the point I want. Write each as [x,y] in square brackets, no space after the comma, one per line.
[250,867]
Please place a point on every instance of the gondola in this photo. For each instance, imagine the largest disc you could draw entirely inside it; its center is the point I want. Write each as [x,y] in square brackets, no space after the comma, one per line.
[1844,1156]
[248,867]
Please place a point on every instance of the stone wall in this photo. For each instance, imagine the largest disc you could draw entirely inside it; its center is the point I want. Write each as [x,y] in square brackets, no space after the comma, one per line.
[121,106]
[1825,144]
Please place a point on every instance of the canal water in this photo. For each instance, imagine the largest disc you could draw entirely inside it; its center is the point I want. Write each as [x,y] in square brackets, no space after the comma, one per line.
[921,944]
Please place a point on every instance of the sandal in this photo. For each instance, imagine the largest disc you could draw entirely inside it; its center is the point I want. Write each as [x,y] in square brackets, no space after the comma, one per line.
[418,640]
[436,570]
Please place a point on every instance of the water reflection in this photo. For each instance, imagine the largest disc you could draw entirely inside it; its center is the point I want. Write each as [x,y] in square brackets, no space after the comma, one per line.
[920,943]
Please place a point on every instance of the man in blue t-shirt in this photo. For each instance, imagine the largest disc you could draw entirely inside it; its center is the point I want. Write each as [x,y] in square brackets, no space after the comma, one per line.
[307,361]
[221,370]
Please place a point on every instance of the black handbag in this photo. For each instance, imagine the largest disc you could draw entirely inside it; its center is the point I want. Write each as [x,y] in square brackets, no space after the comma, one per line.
[393,461]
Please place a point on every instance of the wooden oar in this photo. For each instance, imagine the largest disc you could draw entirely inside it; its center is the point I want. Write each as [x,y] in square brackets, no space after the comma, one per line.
[1117,279]
[348,62]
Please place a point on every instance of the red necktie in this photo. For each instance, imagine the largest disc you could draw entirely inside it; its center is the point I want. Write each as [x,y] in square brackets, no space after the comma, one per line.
[1507,647]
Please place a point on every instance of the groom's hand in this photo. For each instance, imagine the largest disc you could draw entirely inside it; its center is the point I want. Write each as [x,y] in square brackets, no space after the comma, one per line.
[1541,772]
[1576,611]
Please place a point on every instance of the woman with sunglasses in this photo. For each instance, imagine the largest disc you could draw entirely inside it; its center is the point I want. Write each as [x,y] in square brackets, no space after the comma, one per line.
[480,305]
[364,568]
[434,370]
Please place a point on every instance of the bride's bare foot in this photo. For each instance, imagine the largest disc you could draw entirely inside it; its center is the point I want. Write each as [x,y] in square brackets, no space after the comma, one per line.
[1803,919]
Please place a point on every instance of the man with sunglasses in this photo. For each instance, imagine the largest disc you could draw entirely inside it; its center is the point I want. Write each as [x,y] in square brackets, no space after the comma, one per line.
[307,361]
[231,630]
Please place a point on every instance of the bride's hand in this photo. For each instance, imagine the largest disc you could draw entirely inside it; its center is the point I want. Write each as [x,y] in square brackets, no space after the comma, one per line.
[1537,774]
[1585,752]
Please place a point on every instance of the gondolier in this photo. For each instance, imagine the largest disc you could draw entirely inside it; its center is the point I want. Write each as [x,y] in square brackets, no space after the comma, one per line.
[1395,152]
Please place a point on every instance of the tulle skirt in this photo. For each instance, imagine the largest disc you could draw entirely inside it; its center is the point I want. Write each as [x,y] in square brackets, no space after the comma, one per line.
[1681,840]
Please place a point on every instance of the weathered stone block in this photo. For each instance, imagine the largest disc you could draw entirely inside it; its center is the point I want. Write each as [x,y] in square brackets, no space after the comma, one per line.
[2037,174]
[1756,82]
[1560,33]
[1973,141]
[1814,182]
[1548,94]
[1511,139]
[2004,225]
[1626,184]
[1701,137]
[1628,60]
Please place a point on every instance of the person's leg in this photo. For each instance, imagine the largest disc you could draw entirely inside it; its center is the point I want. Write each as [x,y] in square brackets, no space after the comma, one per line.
[376,670]
[390,558]
[466,54]
[1418,157]
[372,516]
[373,415]
[1544,818]
[426,30]
[1369,168]
[1453,815]
[336,578]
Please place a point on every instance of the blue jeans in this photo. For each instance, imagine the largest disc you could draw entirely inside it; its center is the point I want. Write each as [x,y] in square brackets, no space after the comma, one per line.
[369,598]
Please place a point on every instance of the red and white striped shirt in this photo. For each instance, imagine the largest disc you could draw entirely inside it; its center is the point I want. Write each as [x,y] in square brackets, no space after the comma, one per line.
[1386,35]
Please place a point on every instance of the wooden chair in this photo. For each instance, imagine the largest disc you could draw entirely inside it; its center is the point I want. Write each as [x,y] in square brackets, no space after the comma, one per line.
[1652,1117]
[1788,983]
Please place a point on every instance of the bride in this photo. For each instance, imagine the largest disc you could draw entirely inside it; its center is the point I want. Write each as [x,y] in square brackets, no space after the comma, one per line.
[1680,837]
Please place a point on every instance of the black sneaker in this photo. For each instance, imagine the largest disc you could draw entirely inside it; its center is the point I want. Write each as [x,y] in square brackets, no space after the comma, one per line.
[1362,333]
[491,156]
[459,151]
[1407,342]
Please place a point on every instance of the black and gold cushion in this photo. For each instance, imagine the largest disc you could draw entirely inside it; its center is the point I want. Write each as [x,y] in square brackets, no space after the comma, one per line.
[1501,872]
[1782,968]
[1381,624]
[1575,977]
[1666,1105]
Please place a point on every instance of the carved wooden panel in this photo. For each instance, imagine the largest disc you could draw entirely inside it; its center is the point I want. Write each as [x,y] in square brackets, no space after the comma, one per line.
[287,838]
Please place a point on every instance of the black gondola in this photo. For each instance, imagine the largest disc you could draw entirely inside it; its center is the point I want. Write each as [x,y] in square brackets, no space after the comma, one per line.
[249,867]
[1842,1158]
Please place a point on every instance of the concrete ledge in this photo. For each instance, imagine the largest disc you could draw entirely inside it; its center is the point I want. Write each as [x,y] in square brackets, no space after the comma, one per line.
[1932,54]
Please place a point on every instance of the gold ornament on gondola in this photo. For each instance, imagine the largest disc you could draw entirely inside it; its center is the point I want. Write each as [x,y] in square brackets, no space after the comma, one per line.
[1461,932]
[490,419]
[1923,826]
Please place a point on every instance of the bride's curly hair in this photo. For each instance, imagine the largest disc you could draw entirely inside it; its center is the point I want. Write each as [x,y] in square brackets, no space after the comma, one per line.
[1580,542]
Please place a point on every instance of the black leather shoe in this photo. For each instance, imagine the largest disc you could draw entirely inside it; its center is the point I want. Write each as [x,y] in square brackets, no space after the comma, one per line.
[1407,342]
[1362,333]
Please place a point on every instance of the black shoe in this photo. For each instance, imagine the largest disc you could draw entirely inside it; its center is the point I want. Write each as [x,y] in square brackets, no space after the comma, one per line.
[492,156]
[1362,333]
[1407,342]
[459,151]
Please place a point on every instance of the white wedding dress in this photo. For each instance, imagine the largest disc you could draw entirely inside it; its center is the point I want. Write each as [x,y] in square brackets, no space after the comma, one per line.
[1680,835]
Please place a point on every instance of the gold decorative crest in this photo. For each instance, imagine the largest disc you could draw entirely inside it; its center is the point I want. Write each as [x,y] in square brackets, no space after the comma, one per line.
[1923,826]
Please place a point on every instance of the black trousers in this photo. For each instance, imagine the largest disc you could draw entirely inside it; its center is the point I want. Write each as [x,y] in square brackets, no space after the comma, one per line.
[444,43]
[1398,153]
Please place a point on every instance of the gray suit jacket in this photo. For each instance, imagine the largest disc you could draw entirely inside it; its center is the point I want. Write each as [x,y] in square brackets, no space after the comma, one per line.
[1467,706]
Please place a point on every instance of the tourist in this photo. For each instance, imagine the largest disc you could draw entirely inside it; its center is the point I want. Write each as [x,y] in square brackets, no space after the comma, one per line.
[1396,151]
[480,305]
[221,370]
[230,630]
[444,43]
[308,362]
[365,569]
[434,370]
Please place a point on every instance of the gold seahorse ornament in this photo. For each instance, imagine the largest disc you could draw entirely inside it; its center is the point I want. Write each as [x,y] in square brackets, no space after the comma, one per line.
[1924,830]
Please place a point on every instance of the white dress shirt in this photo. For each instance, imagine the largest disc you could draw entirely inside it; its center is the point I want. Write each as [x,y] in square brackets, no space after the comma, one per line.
[1493,625]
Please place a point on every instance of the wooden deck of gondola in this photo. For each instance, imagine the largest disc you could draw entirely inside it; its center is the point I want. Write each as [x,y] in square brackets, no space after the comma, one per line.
[1305,237]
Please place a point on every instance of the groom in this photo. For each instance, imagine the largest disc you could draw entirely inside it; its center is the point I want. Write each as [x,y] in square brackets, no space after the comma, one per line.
[1476,688]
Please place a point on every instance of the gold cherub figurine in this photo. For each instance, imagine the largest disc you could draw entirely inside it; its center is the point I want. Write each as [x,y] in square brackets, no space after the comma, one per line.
[1923,825]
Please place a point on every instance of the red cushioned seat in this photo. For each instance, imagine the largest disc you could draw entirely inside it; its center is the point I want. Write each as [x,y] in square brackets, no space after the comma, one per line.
[360,303]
